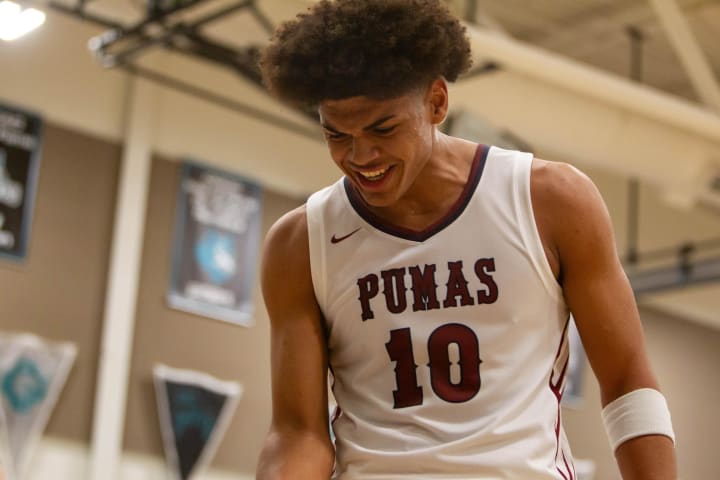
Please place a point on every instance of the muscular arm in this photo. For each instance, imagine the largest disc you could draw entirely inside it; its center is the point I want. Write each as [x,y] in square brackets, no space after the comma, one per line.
[298,444]
[573,219]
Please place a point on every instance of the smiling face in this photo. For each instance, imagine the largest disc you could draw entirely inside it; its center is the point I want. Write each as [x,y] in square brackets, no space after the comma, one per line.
[383,146]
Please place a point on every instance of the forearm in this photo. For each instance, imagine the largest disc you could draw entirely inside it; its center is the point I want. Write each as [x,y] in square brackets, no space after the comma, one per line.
[651,457]
[296,456]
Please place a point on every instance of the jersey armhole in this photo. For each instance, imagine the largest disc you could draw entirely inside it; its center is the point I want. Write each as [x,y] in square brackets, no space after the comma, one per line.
[316,234]
[529,228]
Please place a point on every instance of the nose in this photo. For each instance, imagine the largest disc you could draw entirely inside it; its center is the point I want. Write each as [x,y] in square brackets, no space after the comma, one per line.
[362,152]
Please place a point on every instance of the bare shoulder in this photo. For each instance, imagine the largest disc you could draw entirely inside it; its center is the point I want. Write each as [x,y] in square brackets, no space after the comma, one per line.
[289,234]
[560,184]
[564,197]
[570,214]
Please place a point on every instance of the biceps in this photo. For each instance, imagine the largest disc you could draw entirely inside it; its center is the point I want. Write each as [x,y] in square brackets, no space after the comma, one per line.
[299,373]
[603,304]
[608,321]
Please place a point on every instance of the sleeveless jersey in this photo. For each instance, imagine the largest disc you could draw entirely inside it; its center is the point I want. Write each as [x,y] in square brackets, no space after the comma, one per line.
[447,347]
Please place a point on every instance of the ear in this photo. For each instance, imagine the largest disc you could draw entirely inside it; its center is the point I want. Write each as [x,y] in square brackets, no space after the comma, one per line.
[437,99]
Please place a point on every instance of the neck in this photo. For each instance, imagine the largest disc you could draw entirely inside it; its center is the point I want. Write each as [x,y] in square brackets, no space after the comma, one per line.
[436,188]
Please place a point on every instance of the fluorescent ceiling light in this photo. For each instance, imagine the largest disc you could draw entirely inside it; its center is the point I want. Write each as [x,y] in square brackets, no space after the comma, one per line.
[16,22]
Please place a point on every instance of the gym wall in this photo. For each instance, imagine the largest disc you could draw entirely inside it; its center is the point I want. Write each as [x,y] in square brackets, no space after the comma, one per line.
[58,291]
[685,358]
[184,340]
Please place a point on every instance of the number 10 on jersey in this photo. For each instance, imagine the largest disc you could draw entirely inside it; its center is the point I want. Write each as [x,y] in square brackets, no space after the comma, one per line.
[400,350]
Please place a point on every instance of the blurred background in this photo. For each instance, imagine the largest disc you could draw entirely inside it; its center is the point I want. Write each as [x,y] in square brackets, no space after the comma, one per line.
[123,95]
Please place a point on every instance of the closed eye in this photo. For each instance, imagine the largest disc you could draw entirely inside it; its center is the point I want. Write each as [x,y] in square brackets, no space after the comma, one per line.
[334,135]
[384,131]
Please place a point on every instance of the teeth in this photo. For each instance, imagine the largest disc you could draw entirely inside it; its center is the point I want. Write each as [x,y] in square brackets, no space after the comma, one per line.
[374,175]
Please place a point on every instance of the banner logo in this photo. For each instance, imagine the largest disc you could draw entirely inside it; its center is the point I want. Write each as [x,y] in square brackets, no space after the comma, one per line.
[24,386]
[11,192]
[215,253]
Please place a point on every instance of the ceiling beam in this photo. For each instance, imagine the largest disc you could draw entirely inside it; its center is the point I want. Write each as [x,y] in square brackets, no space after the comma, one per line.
[565,125]
[594,83]
[485,20]
[588,35]
[691,56]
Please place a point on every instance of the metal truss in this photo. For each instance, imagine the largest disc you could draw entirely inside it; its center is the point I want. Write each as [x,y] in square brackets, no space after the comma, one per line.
[684,273]
[165,26]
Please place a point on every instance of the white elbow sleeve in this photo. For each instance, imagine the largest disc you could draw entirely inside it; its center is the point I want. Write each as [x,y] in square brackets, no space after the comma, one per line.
[640,412]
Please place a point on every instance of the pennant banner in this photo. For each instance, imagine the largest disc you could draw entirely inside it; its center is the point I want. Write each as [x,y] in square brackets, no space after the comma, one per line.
[195,409]
[20,134]
[215,244]
[32,375]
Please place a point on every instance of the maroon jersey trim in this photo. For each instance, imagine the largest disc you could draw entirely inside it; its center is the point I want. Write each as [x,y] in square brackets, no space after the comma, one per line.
[455,211]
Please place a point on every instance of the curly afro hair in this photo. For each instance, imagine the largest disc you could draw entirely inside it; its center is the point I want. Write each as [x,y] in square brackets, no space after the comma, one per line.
[375,48]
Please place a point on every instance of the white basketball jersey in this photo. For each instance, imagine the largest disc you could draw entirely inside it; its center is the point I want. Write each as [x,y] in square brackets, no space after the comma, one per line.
[448,347]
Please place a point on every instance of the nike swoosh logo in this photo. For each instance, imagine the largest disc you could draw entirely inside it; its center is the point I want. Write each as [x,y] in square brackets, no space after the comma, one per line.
[335,239]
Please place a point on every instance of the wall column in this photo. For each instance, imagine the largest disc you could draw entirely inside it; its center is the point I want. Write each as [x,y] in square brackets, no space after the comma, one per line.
[122,286]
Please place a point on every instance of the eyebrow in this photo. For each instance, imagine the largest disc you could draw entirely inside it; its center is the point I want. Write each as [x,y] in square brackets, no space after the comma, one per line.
[375,124]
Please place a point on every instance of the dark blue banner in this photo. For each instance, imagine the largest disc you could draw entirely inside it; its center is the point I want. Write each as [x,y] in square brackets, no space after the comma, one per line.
[20,140]
[194,413]
[215,245]
[195,410]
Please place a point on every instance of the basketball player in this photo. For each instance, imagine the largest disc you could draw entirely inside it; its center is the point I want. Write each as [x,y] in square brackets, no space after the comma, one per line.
[436,278]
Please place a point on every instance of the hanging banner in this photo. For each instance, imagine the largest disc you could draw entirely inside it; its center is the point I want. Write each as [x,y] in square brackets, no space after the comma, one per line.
[195,409]
[20,139]
[215,245]
[32,375]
